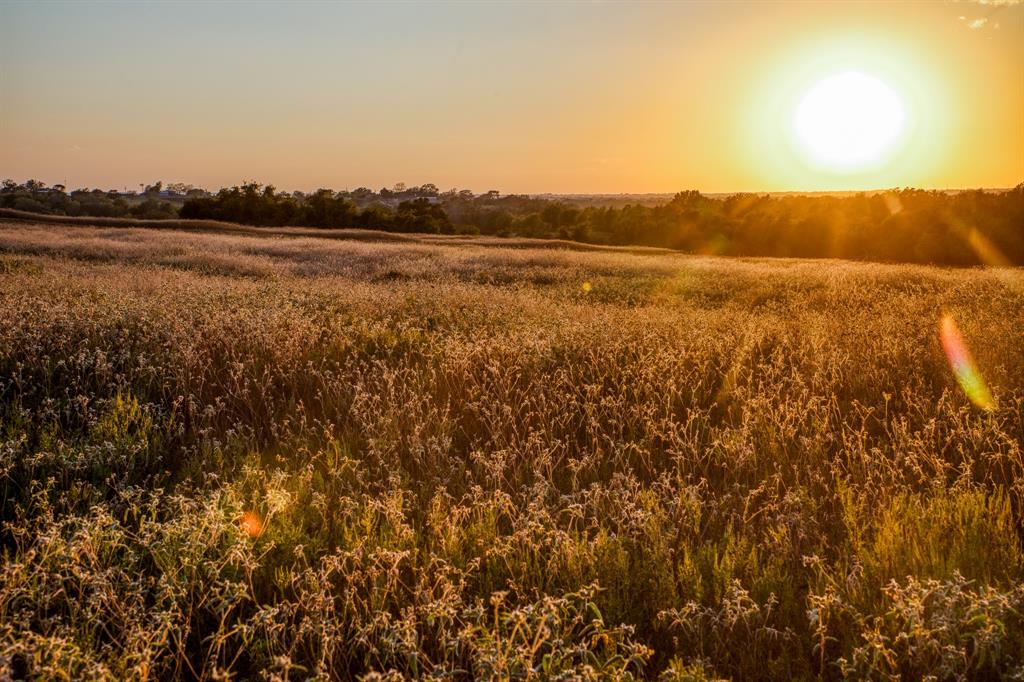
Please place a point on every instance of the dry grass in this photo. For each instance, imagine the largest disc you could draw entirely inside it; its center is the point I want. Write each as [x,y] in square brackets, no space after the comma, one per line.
[248,456]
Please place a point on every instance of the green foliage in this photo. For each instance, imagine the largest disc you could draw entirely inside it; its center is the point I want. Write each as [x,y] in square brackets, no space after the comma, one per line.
[253,204]
[35,197]
[966,532]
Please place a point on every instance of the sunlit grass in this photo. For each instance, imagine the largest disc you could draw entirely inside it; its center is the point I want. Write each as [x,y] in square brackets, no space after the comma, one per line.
[244,456]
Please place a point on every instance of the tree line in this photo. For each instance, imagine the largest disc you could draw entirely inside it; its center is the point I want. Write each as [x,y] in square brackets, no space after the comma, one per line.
[905,225]
[254,204]
[36,197]
[909,225]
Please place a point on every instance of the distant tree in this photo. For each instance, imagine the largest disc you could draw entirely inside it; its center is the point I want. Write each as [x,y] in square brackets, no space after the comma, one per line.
[580,232]
[27,203]
[375,217]
[324,209]
[152,209]
[551,214]
[420,215]
[530,226]
[568,216]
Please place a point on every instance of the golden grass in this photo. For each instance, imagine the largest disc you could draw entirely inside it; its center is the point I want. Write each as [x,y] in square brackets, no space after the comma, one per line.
[237,455]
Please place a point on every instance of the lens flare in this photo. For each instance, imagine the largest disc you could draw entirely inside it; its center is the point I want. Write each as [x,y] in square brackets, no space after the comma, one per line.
[988,252]
[251,524]
[966,372]
[893,203]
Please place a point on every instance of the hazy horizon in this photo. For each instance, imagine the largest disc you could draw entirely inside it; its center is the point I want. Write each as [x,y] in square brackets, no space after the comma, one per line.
[529,99]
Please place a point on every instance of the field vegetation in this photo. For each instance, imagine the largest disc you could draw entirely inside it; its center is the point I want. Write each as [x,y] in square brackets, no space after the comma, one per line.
[246,456]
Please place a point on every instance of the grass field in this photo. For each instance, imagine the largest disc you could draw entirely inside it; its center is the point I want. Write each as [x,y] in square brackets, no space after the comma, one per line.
[243,456]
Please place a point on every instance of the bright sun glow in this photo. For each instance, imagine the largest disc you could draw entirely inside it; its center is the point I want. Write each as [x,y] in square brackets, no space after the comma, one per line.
[849,120]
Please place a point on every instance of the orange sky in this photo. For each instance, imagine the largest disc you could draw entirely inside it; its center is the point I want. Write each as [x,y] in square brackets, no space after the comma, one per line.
[517,97]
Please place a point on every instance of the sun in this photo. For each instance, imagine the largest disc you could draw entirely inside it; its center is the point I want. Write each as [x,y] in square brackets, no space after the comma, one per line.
[848,121]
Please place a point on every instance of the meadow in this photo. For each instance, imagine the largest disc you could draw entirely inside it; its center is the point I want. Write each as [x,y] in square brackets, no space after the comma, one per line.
[281,456]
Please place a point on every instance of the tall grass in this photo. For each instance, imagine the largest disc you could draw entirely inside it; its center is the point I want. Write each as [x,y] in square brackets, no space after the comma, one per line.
[241,457]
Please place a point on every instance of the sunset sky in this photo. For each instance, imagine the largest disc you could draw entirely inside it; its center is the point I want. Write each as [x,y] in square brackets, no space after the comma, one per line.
[530,97]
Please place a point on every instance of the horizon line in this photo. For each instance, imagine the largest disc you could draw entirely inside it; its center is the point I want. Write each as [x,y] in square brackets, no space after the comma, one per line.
[874,190]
